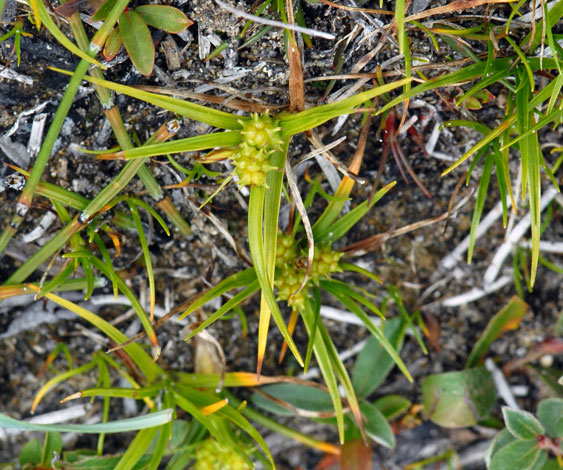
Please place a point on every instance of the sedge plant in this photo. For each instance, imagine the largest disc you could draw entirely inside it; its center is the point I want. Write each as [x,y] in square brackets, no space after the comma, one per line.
[291,266]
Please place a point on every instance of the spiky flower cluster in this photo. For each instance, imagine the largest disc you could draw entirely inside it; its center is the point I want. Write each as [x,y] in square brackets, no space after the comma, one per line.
[211,456]
[252,159]
[291,269]
[325,262]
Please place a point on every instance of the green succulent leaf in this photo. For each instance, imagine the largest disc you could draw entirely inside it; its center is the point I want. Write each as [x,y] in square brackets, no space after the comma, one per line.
[523,455]
[164,17]
[508,318]
[457,399]
[502,439]
[521,424]
[550,414]
[52,447]
[137,40]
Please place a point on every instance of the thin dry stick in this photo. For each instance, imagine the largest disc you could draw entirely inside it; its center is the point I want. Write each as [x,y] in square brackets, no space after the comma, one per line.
[533,32]
[358,9]
[292,181]
[315,140]
[276,24]
[454,6]
[320,150]
[296,89]
[365,246]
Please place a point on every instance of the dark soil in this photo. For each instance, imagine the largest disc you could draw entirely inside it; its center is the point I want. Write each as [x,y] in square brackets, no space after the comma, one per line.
[187,265]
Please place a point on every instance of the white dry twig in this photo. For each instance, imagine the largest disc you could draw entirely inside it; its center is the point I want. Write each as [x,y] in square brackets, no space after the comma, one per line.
[36,134]
[9,74]
[343,316]
[277,24]
[41,228]
[501,384]
[545,246]
[476,294]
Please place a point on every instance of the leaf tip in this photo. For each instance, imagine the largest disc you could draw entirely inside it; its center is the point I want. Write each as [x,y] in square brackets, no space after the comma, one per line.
[71,397]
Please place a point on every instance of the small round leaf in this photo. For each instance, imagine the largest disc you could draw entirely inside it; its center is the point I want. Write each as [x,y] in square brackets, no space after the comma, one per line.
[521,455]
[521,424]
[550,414]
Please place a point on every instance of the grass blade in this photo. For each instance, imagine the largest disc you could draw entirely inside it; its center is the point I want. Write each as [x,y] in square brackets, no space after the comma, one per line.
[183,108]
[374,330]
[124,425]
[139,356]
[305,120]
[227,307]
[136,449]
[480,204]
[325,229]
[146,256]
[240,279]
[257,243]
[60,37]
[326,366]
[191,144]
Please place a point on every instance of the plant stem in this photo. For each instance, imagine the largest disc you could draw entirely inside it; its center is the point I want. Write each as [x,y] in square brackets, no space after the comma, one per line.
[24,201]
[114,117]
[78,223]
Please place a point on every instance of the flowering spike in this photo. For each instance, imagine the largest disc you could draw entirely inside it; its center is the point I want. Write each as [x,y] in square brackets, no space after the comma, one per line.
[252,158]
[290,271]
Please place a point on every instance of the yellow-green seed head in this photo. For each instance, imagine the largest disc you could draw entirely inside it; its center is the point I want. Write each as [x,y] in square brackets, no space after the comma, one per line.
[285,251]
[325,262]
[212,456]
[261,131]
[287,282]
[251,165]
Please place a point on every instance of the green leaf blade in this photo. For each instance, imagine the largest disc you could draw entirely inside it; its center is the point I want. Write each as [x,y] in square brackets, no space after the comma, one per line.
[374,363]
[458,399]
[137,40]
[392,406]
[550,414]
[521,424]
[508,318]
[376,426]
[124,425]
[164,17]
[523,455]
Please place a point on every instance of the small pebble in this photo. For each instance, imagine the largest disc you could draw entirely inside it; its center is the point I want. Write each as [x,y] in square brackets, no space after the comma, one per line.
[546,361]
